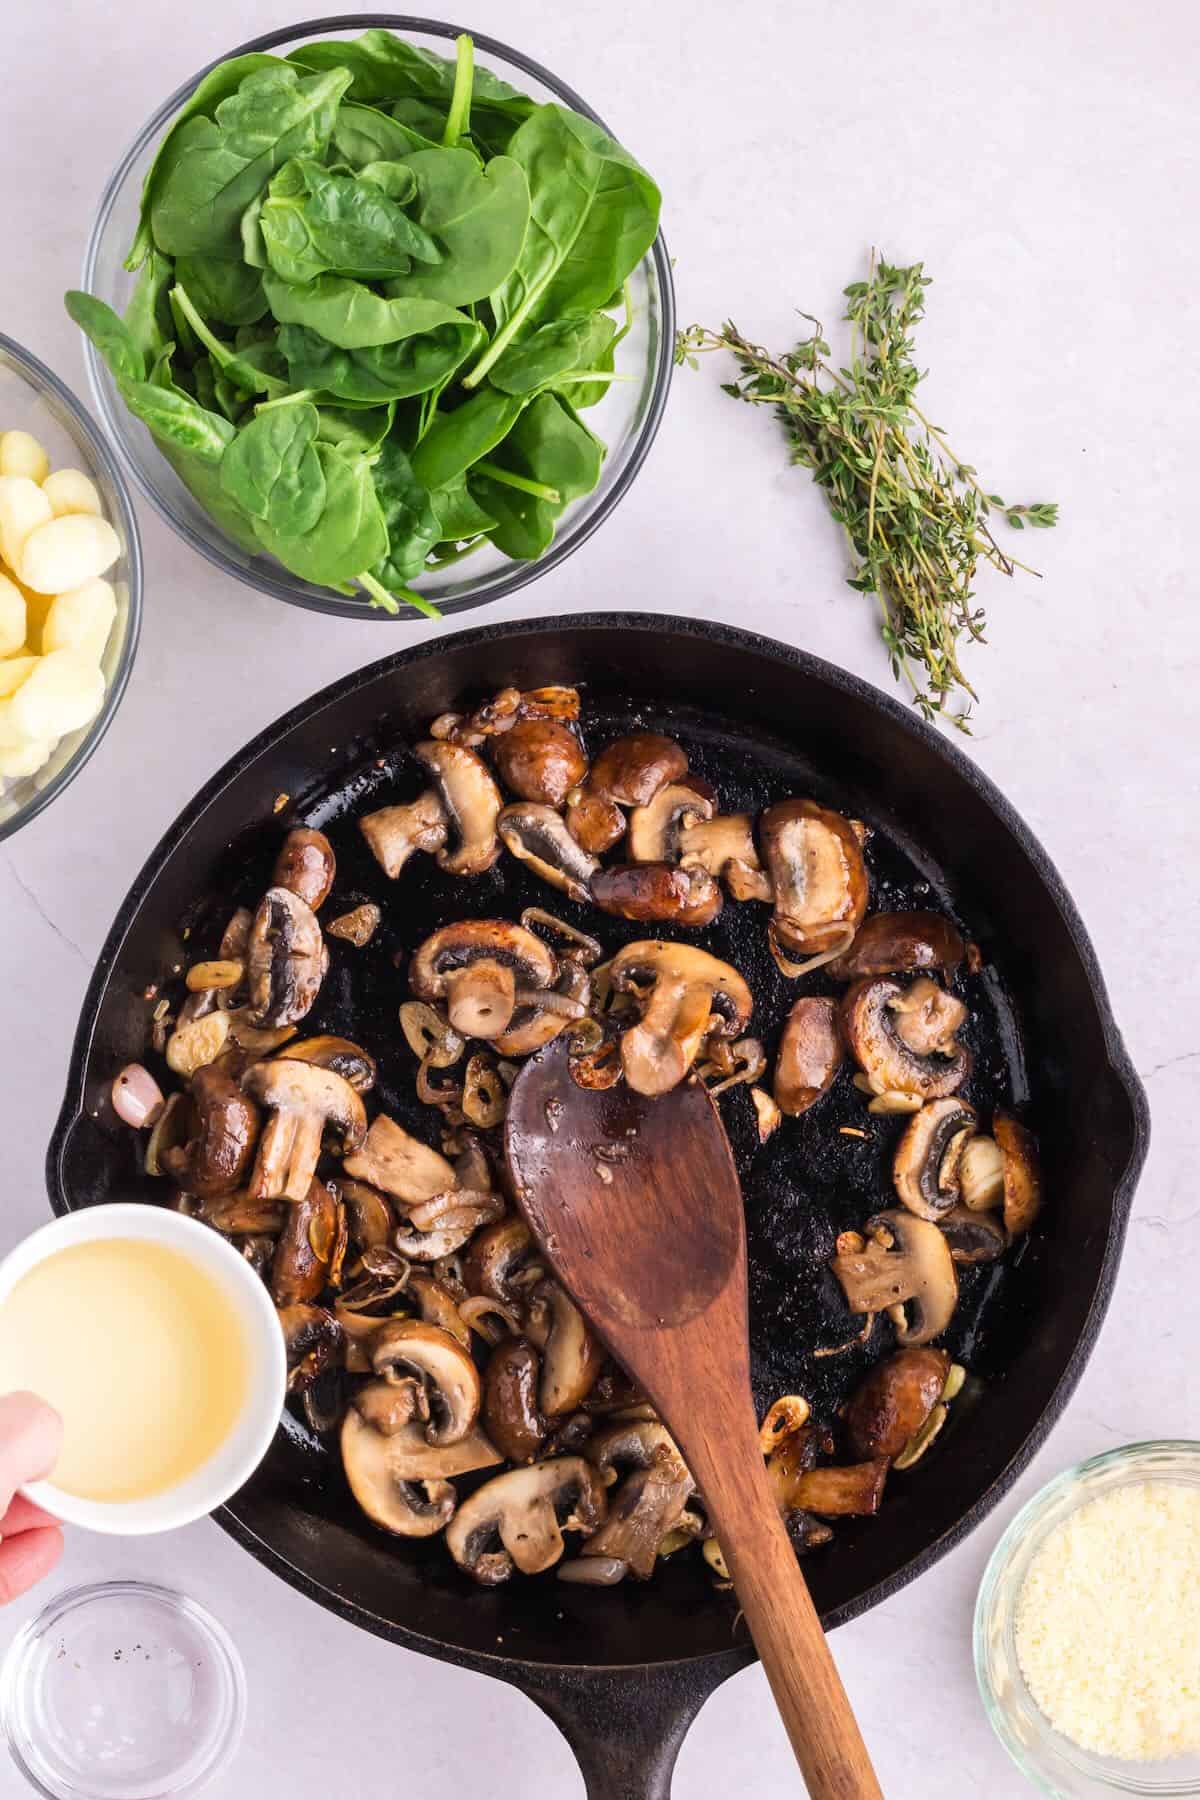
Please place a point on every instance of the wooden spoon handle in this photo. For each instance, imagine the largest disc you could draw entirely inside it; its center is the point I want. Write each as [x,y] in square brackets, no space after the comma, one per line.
[783,1622]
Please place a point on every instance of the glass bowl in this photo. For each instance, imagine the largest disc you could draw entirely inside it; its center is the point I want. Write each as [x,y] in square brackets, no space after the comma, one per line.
[626,420]
[32,398]
[1049,1760]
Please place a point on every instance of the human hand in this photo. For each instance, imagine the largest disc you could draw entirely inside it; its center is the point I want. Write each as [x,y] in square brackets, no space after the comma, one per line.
[30,1540]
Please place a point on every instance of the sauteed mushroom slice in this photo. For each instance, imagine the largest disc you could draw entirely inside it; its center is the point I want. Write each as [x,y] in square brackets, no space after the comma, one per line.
[981,1174]
[313,1340]
[905,1269]
[503,1262]
[893,1401]
[400,1481]
[371,1219]
[840,1492]
[479,967]
[725,846]
[395,833]
[437,1369]
[527,1510]
[810,1054]
[903,1039]
[358,926]
[656,829]
[306,1247]
[220,1145]
[897,943]
[392,1159]
[239,1215]
[471,802]
[540,760]
[657,893]
[305,1102]
[306,866]
[627,772]
[511,1414]
[440,1226]
[650,1500]
[537,836]
[1022,1173]
[286,959]
[435,1304]
[571,1356]
[547,1013]
[819,881]
[345,1058]
[692,995]
[925,1167]
[973,1237]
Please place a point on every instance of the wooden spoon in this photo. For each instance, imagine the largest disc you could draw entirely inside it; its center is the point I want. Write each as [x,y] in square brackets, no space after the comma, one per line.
[637,1206]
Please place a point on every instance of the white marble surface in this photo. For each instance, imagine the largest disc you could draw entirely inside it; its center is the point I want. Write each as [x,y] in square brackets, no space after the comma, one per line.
[1043,162]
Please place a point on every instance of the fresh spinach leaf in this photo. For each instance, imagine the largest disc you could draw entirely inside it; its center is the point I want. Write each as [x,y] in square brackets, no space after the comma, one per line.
[361,430]
[478,215]
[349,536]
[176,419]
[314,222]
[553,351]
[363,134]
[387,68]
[548,446]
[395,178]
[110,334]
[459,514]
[245,370]
[351,315]
[413,365]
[203,481]
[457,439]
[272,470]
[413,526]
[148,315]
[228,291]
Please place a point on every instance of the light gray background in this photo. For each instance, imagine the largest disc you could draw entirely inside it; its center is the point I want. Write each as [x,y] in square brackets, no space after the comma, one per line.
[1041,159]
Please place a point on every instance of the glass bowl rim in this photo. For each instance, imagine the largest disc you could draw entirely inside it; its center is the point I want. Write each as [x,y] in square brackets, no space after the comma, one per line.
[1027,1530]
[43,379]
[516,575]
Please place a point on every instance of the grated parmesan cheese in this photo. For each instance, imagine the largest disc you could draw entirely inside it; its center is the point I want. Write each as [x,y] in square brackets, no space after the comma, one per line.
[1108,1623]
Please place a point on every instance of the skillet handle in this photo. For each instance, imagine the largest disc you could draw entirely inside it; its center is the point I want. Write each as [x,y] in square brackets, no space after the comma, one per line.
[625,1726]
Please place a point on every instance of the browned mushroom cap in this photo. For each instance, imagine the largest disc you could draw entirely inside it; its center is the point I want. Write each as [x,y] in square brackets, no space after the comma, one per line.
[527,1510]
[471,801]
[657,893]
[893,943]
[571,1356]
[628,772]
[537,836]
[395,833]
[973,1237]
[725,846]
[540,760]
[436,1305]
[306,865]
[392,1159]
[371,1219]
[547,1013]
[792,1457]
[925,1166]
[434,1367]
[347,1059]
[223,1132]
[306,1247]
[819,881]
[399,1479]
[648,1502]
[313,1340]
[853,1492]
[239,1215]
[502,1262]
[904,1040]
[894,1400]
[595,822]
[480,967]
[656,829]
[305,1102]
[510,1400]
[810,1054]
[286,959]
[906,1270]
[1022,1173]
[692,995]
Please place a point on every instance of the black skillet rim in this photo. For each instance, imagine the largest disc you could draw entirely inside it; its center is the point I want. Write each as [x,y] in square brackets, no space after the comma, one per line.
[815,668]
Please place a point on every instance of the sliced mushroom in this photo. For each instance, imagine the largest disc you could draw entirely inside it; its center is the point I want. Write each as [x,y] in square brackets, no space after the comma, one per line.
[927,1018]
[305,1102]
[471,801]
[235,939]
[650,1500]
[981,1174]
[527,1510]
[973,1237]
[370,1217]
[238,1215]
[511,1414]
[925,1167]
[767,1111]
[628,772]
[791,1459]
[220,1144]
[444,1378]
[503,1262]
[399,1480]
[392,1159]
[306,866]
[818,879]
[286,959]
[547,1013]
[358,926]
[313,1340]
[657,893]
[897,943]
[395,833]
[540,760]
[810,1054]
[345,1058]
[656,829]
[883,1040]
[853,1492]
[571,1356]
[893,1401]
[537,836]
[306,1247]
[435,1303]
[692,995]
[479,966]
[906,1269]
[1022,1173]
[442,1225]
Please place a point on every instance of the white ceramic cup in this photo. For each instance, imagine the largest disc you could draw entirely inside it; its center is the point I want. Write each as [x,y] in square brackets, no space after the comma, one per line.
[230,1466]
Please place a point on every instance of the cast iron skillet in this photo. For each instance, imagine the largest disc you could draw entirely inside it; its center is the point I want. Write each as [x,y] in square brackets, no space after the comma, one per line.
[624,1671]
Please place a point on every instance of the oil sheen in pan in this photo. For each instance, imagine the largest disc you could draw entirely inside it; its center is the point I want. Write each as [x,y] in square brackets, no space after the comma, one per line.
[810,1180]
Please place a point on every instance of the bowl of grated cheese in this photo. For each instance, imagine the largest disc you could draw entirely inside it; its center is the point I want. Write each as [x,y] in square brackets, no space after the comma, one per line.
[1087,1627]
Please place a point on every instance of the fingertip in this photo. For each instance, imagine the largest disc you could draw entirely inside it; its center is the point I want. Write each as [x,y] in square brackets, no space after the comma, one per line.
[31,1435]
[27,1559]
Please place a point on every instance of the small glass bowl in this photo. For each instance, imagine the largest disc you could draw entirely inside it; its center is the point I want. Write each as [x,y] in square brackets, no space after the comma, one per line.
[1049,1760]
[627,419]
[33,399]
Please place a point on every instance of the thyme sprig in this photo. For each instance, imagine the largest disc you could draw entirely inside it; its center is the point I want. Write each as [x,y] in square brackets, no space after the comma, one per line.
[916,516]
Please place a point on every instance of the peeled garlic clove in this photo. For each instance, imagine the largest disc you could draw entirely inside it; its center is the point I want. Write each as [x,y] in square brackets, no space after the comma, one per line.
[12,616]
[136,1096]
[67,552]
[27,759]
[71,491]
[65,691]
[21,454]
[81,619]
[23,508]
[13,671]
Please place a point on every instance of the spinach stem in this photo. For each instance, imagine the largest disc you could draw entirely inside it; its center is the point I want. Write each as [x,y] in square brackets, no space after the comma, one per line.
[384,597]
[457,554]
[522,483]
[458,119]
[286,399]
[578,376]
